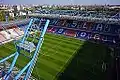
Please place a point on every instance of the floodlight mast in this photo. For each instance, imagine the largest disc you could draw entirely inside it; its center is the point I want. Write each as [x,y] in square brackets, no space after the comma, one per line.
[20,45]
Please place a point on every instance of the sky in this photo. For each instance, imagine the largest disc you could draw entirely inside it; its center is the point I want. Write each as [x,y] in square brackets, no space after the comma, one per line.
[81,2]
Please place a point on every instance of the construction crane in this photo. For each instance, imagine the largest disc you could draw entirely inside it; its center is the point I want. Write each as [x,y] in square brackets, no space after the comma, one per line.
[32,47]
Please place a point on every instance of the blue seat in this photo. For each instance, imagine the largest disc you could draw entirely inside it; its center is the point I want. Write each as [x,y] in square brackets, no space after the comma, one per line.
[60,31]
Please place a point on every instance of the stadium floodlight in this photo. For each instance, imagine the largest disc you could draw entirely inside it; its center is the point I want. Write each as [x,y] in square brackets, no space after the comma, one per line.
[31,47]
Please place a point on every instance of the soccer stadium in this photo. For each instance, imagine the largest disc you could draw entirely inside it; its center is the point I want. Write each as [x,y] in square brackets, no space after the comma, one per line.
[61,45]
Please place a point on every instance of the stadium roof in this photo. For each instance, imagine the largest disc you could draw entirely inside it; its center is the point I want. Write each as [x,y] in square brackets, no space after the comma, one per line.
[93,19]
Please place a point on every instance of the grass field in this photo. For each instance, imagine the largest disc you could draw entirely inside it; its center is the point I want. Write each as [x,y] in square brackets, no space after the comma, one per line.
[64,58]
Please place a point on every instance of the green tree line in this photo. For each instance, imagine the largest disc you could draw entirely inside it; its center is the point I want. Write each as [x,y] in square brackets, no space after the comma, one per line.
[3,15]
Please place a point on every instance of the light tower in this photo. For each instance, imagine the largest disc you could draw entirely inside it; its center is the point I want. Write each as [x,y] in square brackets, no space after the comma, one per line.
[35,33]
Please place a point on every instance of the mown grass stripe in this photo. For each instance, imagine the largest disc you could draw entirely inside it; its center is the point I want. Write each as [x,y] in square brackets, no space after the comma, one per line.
[59,48]
[63,38]
[60,43]
[50,51]
[48,66]
[59,58]
[44,74]
[45,67]
[66,42]
[53,59]
[52,64]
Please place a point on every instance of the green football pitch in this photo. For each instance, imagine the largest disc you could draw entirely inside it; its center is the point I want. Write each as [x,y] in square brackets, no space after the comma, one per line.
[63,58]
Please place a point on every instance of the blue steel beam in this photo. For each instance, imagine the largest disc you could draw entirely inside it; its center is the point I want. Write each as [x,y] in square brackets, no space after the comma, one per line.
[36,52]
[7,58]
[29,67]
[12,66]
[26,32]
[22,71]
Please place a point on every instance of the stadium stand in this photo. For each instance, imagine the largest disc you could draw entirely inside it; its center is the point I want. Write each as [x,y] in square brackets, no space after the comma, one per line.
[87,30]
[18,31]
[14,33]
[70,33]
[7,35]
[74,13]
[60,31]
[83,35]
[116,16]
[52,30]
[2,38]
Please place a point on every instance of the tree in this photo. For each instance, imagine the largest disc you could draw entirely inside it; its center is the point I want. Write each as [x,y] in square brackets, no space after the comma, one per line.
[2,15]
